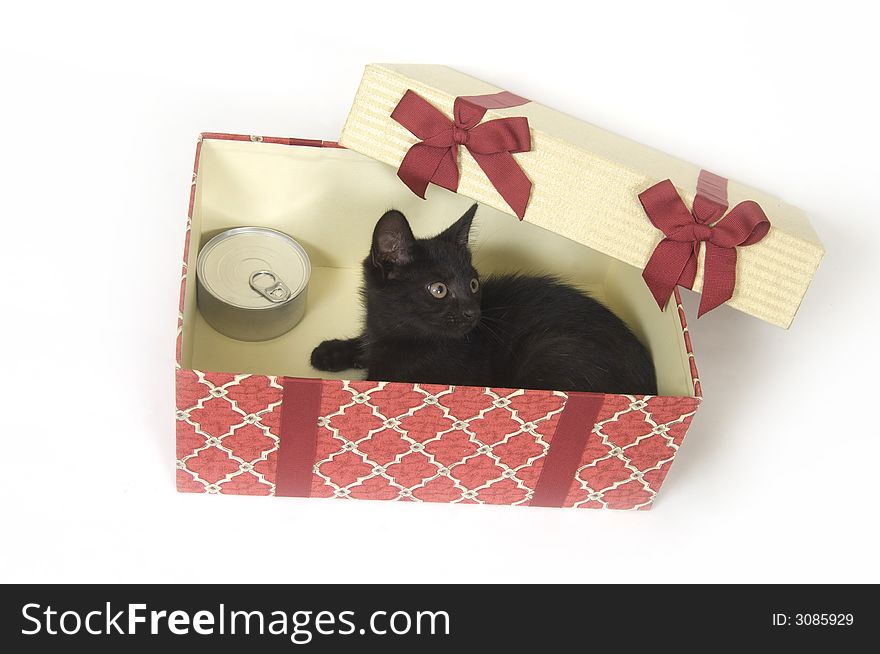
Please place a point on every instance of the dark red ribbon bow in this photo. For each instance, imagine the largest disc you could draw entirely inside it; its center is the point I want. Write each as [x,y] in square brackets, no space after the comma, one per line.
[674,261]
[492,144]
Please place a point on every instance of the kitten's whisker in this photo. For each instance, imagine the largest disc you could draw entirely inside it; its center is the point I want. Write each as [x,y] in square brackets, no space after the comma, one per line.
[512,306]
[491,332]
[498,321]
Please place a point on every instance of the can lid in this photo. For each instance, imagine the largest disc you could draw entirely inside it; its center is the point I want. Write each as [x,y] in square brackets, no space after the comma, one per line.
[253,267]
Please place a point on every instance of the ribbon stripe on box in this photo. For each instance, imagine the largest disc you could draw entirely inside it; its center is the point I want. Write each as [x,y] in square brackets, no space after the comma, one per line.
[492,145]
[301,406]
[674,260]
[567,448]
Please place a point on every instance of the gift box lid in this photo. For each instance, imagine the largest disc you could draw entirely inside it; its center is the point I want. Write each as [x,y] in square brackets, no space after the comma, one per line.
[597,188]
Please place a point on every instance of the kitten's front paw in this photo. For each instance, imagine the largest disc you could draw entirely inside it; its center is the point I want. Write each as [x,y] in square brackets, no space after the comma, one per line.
[336,355]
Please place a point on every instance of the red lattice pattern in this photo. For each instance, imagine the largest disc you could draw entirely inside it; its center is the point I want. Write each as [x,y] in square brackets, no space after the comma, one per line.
[412,442]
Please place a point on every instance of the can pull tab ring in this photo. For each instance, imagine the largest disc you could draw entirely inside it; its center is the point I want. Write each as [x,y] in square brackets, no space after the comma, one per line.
[267,284]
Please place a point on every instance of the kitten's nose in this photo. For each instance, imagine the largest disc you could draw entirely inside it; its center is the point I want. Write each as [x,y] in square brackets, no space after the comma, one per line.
[468,314]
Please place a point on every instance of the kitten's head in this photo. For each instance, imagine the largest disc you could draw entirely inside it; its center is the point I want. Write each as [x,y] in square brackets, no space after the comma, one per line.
[423,287]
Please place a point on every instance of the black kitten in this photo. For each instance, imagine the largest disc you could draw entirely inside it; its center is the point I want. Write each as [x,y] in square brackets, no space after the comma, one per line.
[430,318]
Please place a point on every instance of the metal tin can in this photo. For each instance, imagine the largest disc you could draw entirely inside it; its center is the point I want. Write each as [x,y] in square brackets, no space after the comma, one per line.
[252,283]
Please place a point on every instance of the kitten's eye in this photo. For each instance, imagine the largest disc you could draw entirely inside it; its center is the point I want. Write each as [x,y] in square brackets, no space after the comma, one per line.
[475,285]
[438,289]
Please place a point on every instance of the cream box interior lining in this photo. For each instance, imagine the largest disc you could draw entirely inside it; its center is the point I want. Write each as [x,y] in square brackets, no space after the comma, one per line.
[329,200]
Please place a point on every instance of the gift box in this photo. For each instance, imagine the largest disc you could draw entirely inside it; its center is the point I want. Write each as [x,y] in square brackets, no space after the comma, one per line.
[254,418]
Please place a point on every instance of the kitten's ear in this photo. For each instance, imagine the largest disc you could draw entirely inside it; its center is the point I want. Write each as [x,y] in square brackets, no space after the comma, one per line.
[393,240]
[460,230]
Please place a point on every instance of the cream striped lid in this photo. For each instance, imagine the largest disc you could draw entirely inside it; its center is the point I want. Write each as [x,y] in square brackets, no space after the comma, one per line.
[586,183]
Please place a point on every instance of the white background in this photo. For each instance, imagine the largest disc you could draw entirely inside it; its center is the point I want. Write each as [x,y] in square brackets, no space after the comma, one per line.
[100,109]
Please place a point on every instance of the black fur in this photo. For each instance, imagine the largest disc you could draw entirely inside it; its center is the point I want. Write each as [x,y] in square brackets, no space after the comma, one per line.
[515,331]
